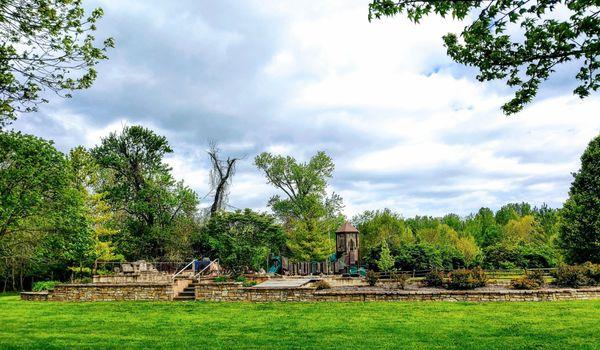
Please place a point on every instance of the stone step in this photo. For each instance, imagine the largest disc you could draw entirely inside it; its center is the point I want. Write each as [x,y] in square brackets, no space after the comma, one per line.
[187,292]
[184,299]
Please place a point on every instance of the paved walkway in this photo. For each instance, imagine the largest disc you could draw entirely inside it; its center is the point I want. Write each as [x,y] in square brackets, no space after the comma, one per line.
[284,283]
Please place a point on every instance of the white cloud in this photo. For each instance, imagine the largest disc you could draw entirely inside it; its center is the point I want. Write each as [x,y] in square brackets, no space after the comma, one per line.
[407,128]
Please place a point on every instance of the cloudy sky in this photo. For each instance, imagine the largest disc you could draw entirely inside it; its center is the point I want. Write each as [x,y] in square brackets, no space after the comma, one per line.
[407,128]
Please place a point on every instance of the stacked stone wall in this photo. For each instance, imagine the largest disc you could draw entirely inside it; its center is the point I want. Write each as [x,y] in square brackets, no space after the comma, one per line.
[142,277]
[34,296]
[232,291]
[235,292]
[111,292]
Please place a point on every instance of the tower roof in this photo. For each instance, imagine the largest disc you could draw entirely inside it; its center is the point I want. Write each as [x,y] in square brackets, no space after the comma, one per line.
[347,228]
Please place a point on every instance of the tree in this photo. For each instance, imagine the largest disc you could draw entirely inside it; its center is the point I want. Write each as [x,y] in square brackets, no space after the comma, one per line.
[580,217]
[483,227]
[512,211]
[43,222]
[552,32]
[378,226]
[504,255]
[311,239]
[220,177]
[243,240]
[455,250]
[524,230]
[386,260]
[303,183]
[454,221]
[309,216]
[44,45]
[548,219]
[100,216]
[139,185]
[33,181]
[418,256]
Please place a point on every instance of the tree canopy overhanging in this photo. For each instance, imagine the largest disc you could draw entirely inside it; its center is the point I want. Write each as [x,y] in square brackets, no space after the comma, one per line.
[519,41]
[45,46]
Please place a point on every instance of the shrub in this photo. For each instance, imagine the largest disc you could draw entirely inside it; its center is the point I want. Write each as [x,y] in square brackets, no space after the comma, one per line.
[241,279]
[419,256]
[511,256]
[570,276]
[593,272]
[104,272]
[80,271]
[371,278]
[249,283]
[220,279]
[532,280]
[44,285]
[434,278]
[400,279]
[576,276]
[467,279]
[322,285]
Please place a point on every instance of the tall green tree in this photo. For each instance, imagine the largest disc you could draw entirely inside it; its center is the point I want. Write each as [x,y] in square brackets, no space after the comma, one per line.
[101,219]
[512,211]
[310,216]
[45,45]
[524,230]
[457,250]
[483,227]
[33,181]
[580,222]
[519,41]
[43,222]
[378,226]
[139,185]
[304,185]
[243,240]
[549,219]
[386,260]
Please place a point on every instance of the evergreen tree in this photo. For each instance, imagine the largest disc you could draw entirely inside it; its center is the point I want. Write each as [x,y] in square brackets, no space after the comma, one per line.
[386,260]
[580,224]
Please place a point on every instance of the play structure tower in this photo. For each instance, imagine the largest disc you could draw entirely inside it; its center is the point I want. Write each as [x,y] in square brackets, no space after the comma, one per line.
[346,246]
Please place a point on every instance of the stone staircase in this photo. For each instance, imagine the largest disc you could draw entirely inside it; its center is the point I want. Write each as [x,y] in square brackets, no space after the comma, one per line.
[188,293]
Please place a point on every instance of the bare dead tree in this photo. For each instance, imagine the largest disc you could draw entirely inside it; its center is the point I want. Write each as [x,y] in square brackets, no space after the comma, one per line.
[220,177]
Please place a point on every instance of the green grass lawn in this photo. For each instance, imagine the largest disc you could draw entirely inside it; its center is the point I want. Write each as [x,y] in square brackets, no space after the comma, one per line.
[412,325]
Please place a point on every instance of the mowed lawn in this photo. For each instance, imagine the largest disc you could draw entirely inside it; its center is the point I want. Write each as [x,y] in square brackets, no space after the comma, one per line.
[384,325]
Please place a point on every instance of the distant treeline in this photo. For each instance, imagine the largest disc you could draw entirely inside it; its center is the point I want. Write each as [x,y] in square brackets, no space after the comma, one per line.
[516,236]
[63,214]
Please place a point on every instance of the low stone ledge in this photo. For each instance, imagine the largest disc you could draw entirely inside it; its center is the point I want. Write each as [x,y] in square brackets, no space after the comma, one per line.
[34,296]
[112,285]
[110,292]
[234,292]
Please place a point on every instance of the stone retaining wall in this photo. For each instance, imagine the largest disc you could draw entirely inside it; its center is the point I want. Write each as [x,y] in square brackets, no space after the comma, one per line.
[34,296]
[105,292]
[142,277]
[235,292]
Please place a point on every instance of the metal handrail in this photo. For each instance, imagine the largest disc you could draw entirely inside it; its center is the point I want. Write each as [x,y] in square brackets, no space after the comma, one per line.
[180,271]
[207,266]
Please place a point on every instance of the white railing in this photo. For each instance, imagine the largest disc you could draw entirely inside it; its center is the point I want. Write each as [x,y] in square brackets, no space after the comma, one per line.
[180,271]
[204,269]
